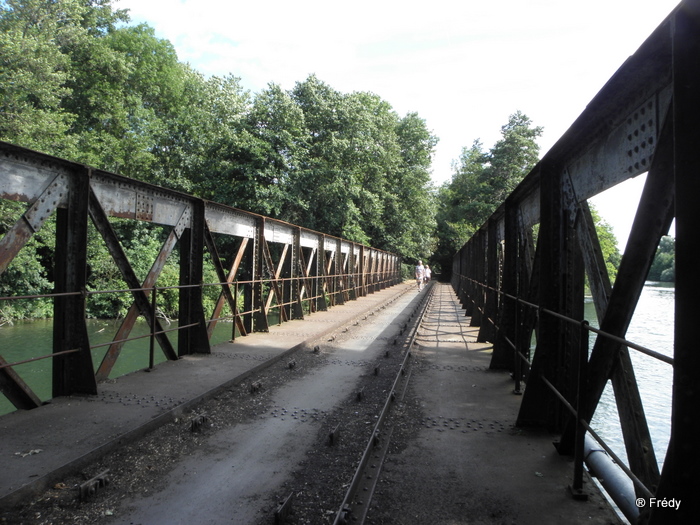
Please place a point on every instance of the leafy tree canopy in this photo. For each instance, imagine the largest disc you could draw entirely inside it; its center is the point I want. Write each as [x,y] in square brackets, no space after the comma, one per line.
[663,268]
[608,243]
[78,81]
[481,181]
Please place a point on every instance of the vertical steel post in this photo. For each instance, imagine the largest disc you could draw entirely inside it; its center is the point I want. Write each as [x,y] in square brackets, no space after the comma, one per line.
[152,339]
[234,313]
[322,273]
[249,273]
[297,276]
[260,321]
[363,271]
[517,359]
[682,464]
[478,276]
[72,373]
[339,279]
[503,353]
[538,407]
[488,325]
[577,485]
[193,339]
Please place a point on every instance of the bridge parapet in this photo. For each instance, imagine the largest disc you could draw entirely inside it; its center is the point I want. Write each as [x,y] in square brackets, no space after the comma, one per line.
[516,280]
[269,271]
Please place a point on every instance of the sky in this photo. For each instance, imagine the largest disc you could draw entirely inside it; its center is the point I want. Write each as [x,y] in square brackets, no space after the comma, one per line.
[464,66]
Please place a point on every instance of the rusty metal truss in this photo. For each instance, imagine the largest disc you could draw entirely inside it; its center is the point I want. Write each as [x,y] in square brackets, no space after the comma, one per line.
[276,272]
[644,120]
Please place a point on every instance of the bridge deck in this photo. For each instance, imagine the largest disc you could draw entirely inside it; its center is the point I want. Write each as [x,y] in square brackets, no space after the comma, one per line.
[464,460]
[71,431]
[459,455]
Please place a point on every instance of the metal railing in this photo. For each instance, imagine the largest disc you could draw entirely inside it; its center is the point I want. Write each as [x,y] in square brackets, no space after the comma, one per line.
[383,280]
[573,407]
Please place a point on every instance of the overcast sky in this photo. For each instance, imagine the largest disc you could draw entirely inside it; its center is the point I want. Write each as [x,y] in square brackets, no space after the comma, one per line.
[463,66]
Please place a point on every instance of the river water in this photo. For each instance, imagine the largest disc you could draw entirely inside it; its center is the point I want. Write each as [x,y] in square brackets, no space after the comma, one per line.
[28,339]
[652,326]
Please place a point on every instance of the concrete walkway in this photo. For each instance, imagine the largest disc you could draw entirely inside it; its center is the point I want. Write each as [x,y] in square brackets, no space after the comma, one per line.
[41,446]
[466,462]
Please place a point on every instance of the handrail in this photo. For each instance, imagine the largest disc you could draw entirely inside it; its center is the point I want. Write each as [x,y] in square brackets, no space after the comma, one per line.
[582,425]
[598,331]
[154,289]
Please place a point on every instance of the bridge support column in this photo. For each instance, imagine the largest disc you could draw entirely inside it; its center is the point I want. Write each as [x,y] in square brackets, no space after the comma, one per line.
[73,373]
[478,273]
[491,299]
[679,475]
[193,339]
[503,353]
[561,291]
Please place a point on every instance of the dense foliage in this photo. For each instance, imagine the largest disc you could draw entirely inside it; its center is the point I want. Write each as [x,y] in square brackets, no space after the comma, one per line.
[608,244]
[481,181]
[79,82]
[663,268]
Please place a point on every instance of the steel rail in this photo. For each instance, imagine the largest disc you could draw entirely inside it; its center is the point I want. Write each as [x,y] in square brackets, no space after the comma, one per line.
[63,352]
[345,511]
[161,288]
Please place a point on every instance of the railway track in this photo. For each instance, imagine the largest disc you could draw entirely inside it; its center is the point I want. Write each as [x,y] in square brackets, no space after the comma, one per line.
[358,497]
[285,442]
[326,437]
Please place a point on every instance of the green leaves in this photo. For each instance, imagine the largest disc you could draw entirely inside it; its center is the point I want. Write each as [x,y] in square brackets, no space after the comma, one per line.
[481,182]
[663,268]
[608,243]
[79,82]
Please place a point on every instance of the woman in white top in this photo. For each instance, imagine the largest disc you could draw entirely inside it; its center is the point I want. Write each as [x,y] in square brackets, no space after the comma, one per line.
[420,275]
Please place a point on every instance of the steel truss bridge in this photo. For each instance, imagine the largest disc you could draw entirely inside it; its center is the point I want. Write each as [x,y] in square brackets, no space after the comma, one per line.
[273,271]
[523,271]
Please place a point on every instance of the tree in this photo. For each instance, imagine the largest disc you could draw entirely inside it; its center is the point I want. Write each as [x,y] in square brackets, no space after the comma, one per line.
[369,168]
[34,74]
[511,158]
[411,204]
[608,243]
[277,124]
[481,182]
[79,82]
[663,268]
[326,165]
[125,84]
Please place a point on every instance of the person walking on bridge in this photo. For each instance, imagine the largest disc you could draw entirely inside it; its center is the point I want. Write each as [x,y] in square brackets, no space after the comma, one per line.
[420,275]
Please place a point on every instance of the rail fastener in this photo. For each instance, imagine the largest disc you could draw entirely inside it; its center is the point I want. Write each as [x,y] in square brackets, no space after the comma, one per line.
[334,435]
[284,510]
[91,486]
[199,422]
